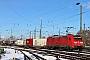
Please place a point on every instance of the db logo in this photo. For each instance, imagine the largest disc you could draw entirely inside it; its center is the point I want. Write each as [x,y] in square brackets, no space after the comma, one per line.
[27,41]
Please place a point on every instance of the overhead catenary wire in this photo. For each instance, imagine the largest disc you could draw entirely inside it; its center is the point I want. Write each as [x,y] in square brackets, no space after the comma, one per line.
[66,20]
[50,12]
[75,15]
[38,10]
[62,14]
[32,12]
[15,11]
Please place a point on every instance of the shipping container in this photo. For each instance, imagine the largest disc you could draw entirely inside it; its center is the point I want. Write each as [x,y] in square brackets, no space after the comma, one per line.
[39,42]
[29,42]
[24,43]
[11,42]
[20,42]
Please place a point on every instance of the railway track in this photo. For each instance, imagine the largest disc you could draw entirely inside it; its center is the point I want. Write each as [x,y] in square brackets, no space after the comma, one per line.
[58,54]
[55,53]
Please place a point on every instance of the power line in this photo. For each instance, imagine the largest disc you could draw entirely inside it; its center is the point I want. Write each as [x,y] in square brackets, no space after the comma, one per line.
[63,14]
[33,12]
[88,15]
[37,10]
[66,20]
[73,16]
[44,7]
[15,11]
[50,10]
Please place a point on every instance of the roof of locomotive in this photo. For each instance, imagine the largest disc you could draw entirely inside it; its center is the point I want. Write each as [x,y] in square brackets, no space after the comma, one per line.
[56,36]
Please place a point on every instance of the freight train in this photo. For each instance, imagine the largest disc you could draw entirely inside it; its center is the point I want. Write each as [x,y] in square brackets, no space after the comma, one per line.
[69,42]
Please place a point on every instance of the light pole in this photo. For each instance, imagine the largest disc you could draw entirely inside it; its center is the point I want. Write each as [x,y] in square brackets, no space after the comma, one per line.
[59,31]
[11,34]
[35,33]
[80,17]
[41,29]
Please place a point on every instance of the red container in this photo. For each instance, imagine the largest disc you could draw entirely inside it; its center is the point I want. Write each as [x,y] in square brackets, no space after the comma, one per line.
[29,42]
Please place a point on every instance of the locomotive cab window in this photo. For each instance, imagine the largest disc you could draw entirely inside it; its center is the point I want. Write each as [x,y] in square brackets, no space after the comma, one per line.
[77,38]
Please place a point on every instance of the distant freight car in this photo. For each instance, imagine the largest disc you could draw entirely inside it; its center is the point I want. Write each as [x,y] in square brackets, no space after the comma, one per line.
[36,42]
[1,42]
[11,42]
[6,42]
[20,42]
[29,42]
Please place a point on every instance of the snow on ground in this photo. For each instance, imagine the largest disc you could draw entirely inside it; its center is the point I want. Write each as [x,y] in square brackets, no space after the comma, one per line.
[11,53]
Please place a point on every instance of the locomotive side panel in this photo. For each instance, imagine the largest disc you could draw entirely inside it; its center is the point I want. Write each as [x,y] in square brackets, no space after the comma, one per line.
[55,41]
[50,41]
[70,40]
[63,41]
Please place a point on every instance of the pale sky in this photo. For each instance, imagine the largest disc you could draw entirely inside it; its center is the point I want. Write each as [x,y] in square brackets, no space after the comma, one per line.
[24,16]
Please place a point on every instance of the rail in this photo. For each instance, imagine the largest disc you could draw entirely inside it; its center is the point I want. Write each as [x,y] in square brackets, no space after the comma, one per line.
[38,57]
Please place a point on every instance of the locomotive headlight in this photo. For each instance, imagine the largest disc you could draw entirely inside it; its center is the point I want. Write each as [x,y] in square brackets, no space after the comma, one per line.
[81,42]
[75,42]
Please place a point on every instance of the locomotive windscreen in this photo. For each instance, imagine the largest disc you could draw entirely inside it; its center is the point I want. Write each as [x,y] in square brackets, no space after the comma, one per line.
[77,37]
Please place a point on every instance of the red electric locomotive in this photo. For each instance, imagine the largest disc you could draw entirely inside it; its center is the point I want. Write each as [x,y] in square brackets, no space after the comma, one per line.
[69,42]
